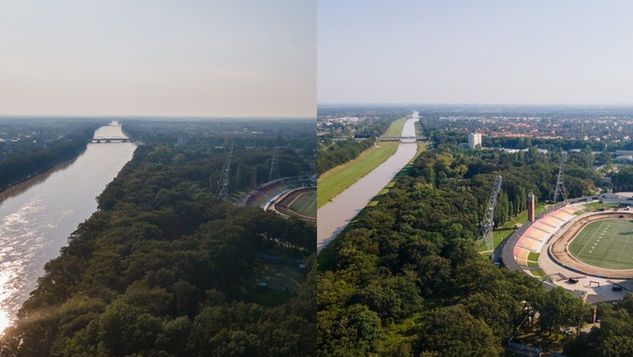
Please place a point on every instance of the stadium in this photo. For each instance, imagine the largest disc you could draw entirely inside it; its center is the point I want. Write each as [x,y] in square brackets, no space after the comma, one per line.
[287,196]
[300,202]
[584,245]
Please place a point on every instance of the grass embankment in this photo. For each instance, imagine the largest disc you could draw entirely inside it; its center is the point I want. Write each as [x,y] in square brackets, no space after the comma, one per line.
[395,128]
[339,178]
[336,180]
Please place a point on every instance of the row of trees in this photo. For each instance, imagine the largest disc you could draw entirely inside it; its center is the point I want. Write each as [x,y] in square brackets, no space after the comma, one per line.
[165,269]
[405,279]
[36,157]
[335,153]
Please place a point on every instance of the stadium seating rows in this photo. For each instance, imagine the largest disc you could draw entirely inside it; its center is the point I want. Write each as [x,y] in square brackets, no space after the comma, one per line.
[533,239]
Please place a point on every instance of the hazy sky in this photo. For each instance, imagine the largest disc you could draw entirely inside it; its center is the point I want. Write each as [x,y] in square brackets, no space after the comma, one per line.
[158,57]
[506,52]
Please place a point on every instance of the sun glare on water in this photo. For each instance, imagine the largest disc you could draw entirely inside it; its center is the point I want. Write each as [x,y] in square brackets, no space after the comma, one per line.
[4,321]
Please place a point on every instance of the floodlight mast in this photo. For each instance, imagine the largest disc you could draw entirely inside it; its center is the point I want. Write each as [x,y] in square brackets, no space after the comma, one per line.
[223,190]
[273,173]
[560,179]
[488,224]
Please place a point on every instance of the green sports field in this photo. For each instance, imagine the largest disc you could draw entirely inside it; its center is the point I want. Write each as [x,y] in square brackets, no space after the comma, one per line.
[606,243]
[305,204]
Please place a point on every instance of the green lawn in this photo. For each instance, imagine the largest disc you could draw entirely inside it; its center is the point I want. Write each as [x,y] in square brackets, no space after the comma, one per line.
[606,243]
[595,206]
[337,179]
[395,129]
[305,204]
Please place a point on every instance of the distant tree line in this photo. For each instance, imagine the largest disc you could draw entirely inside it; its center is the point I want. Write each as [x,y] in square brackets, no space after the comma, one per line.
[335,153]
[35,158]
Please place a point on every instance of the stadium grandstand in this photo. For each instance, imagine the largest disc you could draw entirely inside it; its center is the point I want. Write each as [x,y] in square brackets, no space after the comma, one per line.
[541,248]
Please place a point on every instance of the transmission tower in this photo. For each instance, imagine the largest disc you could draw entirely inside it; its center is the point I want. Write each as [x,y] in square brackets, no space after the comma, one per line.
[223,188]
[488,223]
[560,182]
[273,174]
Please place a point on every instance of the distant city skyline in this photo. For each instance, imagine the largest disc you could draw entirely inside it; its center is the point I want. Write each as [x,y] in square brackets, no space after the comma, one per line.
[489,52]
[223,58]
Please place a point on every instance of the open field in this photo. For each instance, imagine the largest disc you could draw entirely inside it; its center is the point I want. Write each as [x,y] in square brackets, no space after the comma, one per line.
[606,243]
[305,204]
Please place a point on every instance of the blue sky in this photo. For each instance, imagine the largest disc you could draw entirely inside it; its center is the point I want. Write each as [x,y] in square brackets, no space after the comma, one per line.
[499,52]
[158,57]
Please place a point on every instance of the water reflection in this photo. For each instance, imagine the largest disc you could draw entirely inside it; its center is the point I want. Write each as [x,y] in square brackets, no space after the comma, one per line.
[36,223]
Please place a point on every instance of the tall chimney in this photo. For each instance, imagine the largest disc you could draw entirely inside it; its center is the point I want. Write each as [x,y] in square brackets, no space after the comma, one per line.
[531,207]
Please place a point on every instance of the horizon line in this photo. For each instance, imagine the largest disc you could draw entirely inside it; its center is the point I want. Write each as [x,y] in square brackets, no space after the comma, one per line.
[146,116]
[620,105]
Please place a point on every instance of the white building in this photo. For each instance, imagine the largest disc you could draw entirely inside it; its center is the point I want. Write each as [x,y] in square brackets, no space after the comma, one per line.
[474,139]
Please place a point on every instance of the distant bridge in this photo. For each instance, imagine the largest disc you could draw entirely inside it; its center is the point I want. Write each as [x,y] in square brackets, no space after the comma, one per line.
[401,138]
[100,139]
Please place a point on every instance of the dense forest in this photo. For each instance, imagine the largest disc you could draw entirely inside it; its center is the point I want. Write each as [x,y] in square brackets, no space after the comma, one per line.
[405,279]
[164,268]
[254,144]
[31,147]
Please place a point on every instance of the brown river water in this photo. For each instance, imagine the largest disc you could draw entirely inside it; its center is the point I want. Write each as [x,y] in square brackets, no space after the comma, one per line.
[335,215]
[37,220]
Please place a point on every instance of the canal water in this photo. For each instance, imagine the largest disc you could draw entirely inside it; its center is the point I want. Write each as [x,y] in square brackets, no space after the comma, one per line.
[36,223]
[335,215]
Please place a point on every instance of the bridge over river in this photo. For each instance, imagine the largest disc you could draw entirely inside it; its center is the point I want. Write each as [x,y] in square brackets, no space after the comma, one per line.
[116,139]
[335,215]
[402,139]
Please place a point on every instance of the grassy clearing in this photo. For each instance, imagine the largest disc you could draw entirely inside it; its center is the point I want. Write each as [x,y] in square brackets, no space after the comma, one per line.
[596,206]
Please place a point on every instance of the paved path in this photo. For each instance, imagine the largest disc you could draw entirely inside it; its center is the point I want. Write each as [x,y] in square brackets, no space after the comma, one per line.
[335,215]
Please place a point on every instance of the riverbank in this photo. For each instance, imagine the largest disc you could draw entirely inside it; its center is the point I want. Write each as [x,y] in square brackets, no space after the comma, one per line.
[38,215]
[339,178]
[335,215]
[32,181]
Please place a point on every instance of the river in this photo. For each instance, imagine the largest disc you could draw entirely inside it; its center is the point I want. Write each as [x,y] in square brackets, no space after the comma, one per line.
[335,215]
[36,222]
